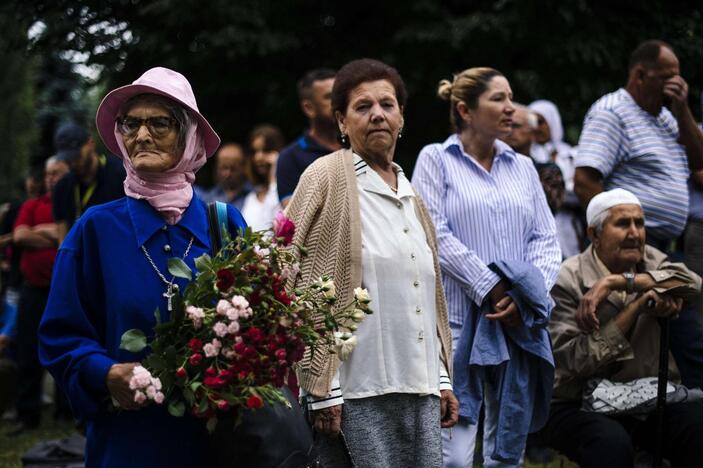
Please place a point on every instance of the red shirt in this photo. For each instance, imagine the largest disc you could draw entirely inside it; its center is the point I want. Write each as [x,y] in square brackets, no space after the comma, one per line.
[36,264]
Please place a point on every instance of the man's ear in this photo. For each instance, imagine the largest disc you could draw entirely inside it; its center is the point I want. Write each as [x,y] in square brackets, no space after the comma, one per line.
[307,107]
[593,235]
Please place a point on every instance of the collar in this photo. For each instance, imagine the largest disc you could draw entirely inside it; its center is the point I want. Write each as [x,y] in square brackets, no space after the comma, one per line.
[454,144]
[146,220]
[372,181]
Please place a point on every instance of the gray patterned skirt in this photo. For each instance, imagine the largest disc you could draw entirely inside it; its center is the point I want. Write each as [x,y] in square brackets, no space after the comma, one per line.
[396,430]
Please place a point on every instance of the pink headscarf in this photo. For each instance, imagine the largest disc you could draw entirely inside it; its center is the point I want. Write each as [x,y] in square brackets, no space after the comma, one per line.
[171,191]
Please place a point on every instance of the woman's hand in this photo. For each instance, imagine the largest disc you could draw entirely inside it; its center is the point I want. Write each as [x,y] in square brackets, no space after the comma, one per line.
[507,312]
[449,408]
[328,421]
[117,380]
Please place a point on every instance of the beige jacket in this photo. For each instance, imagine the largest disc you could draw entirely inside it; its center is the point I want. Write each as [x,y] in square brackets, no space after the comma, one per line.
[608,353]
[325,210]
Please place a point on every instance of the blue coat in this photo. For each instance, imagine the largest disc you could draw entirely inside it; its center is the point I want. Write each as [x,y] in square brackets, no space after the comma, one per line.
[102,286]
[518,361]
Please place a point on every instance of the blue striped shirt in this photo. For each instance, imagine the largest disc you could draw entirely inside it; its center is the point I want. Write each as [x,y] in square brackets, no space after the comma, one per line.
[639,152]
[482,217]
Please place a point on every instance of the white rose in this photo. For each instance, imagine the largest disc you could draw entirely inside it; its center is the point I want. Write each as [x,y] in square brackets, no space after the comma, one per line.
[358,315]
[362,297]
[344,346]
[328,289]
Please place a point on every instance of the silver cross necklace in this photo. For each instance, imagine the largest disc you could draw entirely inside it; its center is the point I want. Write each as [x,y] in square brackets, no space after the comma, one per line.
[171,287]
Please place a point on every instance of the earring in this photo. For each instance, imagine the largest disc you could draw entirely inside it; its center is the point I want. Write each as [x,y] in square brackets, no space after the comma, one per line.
[343,137]
[400,133]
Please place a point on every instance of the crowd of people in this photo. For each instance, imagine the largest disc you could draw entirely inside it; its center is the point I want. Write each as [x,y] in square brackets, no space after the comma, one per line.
[519,284]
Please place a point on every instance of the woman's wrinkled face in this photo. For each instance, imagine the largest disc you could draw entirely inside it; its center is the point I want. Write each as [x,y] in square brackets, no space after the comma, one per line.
[373,118]
[493,116]
[150,134]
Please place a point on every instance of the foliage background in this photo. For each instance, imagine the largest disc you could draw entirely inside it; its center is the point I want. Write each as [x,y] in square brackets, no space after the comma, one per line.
[243,57]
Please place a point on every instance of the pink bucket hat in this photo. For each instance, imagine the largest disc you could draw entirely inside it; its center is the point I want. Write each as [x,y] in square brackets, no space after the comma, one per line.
[158,80]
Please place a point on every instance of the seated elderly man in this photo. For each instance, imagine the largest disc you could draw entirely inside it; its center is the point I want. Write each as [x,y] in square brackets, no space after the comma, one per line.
[605,333]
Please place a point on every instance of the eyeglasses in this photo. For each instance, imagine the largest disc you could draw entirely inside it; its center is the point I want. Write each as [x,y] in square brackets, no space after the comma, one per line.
[157,126]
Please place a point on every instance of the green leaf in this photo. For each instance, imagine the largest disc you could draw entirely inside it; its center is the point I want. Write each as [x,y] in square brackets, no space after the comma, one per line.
[211,424]
[171,356]
[194,386]
[178,268]
[203,262]
[133,340]
[188,395]
[155,363]
[176,408]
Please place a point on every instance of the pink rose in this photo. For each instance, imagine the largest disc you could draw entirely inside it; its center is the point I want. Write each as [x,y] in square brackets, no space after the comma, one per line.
[159,398]
[139,397]
[220,329]
[283,228]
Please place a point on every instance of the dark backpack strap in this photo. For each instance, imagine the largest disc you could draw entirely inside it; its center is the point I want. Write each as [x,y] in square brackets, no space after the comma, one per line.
[213,225]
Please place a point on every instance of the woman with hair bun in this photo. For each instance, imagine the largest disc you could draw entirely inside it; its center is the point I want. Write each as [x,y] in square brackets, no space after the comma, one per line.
[497,245]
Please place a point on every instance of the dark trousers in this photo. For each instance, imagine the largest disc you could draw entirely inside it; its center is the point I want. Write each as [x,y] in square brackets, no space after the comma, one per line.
[686,332]
[30,308]
[597,440]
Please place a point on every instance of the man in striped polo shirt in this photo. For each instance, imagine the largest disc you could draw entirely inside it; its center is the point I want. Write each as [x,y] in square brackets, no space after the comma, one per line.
[643,138]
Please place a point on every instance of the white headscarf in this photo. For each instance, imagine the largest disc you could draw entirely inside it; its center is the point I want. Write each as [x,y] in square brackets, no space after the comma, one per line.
[549,111]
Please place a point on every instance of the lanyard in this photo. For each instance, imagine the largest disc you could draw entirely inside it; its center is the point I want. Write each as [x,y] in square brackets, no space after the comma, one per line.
[82,202]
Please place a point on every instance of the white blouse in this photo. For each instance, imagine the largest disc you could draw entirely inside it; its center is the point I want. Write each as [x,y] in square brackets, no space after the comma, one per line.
[259,214]
[398,349]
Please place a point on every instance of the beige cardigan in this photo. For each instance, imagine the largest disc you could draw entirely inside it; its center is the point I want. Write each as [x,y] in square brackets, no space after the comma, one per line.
[325,210]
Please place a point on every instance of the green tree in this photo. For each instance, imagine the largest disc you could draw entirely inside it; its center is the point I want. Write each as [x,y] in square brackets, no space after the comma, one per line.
[244,57]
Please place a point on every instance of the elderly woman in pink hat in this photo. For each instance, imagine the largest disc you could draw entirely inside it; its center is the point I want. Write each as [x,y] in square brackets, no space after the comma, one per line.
[111,273]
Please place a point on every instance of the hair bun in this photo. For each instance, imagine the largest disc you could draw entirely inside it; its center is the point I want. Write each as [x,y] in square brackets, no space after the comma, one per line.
[444,90]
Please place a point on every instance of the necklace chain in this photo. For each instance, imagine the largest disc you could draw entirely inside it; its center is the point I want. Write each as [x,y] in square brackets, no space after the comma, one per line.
[169,284]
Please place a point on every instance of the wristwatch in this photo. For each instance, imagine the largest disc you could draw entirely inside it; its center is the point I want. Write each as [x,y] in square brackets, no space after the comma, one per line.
[629,282]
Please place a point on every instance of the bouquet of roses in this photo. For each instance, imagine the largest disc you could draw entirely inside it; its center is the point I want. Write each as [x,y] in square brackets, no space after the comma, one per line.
[235,333]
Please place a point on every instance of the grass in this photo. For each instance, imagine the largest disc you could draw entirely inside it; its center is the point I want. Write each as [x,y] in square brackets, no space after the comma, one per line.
[12,448]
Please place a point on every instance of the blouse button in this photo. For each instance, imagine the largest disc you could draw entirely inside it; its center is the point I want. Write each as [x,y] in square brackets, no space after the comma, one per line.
[416,283]
[412,256]
[167,248]
[419,336]
[164,227]
[418,310]
[399,204]
[406,230]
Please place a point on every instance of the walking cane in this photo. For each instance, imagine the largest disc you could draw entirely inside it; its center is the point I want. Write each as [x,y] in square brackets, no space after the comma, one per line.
[662,380]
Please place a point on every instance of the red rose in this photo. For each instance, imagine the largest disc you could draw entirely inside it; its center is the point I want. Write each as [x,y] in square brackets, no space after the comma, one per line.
[195,345]
[225,280]
[181,373]
[249,352]
[226,375]
[195,359]
[240,347]
[243,375]
[283,229]
[281,354]
[281,296]
[255,335]
[222,405]
[210,372]
[254,402]
[213,382]
[255,298]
